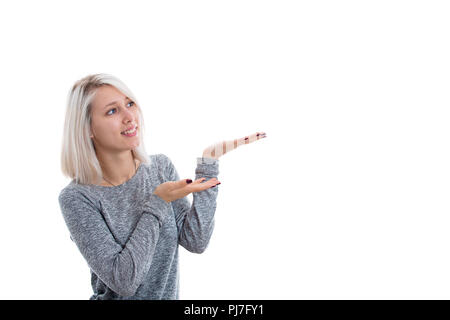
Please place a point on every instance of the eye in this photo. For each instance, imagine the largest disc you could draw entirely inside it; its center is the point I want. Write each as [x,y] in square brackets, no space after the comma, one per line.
[108,113]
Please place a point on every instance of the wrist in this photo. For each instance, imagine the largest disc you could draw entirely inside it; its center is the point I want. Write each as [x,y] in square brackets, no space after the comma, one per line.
[207,160]
[208,155]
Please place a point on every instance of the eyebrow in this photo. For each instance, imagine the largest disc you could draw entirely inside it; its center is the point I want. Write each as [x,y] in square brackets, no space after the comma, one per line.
[114,102]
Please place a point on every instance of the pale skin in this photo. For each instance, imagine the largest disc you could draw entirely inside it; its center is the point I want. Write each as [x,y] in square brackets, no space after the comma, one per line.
[112,113]
[114,149]
[217,150]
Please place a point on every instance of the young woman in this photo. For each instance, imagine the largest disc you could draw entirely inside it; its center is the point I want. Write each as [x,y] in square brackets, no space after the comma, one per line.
[127,211]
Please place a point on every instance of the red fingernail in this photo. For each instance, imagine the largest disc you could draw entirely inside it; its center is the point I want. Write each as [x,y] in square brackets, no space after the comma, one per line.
[188,181]
[246,139]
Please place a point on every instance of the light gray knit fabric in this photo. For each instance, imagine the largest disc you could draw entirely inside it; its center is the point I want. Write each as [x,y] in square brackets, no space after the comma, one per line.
[129,236]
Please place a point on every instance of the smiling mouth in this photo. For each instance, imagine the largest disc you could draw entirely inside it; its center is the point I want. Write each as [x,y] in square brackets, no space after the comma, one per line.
[128,132]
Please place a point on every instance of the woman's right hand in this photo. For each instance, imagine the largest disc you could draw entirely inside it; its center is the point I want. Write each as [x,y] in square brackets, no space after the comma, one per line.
[173,190]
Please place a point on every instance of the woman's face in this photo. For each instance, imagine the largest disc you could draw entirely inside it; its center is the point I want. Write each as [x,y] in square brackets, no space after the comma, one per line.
[112,113]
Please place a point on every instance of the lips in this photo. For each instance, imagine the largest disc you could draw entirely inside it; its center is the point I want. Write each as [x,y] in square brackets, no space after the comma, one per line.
[130,128]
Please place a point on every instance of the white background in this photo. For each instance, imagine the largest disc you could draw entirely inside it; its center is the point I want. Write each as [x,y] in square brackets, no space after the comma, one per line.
[346,198]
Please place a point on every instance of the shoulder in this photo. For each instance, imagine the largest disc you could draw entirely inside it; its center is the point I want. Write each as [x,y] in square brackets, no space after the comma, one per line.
[160,157]
[163,167]
[68,199]
[69,191]
[75,193]
[161,160]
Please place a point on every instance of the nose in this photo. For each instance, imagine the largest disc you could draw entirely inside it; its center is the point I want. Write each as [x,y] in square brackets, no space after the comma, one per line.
[129,116]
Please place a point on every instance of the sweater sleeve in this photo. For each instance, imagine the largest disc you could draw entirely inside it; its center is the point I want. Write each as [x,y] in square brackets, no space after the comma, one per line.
[195,223]
[121,268]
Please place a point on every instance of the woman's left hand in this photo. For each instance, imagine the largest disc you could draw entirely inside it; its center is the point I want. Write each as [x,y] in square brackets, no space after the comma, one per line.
[217,150]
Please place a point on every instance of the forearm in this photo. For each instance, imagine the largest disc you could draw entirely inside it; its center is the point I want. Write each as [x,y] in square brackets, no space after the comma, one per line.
[120,267]
[215,151]
[129,267]
[198,224]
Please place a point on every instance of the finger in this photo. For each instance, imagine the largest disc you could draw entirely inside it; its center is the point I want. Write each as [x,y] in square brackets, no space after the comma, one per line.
[260,135]
[210,184]
[254,137]
[189,182]
[218,149]
[181,183]
[201,184]
[200,180]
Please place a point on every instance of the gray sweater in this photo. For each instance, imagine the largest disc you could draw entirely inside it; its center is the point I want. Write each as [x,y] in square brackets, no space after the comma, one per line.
[129,236]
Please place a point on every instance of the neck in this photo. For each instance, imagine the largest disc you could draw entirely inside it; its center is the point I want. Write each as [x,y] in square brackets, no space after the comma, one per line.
[117,168]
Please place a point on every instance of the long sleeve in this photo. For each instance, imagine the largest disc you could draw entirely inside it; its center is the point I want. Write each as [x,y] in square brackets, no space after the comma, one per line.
[195,223]
[121,268]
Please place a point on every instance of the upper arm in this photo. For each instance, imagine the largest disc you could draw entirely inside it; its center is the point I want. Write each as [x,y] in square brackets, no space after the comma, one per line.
[89,231]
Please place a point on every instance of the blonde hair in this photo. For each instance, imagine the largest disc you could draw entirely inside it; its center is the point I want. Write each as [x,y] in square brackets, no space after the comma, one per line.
[78,157]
